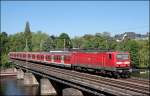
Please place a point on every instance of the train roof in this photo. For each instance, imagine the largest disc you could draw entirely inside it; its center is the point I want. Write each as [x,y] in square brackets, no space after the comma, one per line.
[69,51]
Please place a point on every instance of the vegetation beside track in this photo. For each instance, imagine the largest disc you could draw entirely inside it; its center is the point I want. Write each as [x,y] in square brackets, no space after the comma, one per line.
[40,41]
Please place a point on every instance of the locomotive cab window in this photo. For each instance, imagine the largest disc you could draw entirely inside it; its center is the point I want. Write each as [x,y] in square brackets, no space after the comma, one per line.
[122,56]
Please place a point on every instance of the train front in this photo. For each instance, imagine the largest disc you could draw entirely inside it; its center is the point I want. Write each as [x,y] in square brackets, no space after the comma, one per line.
[123,63]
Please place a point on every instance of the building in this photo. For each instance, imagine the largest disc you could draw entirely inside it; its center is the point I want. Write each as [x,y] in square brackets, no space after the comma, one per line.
[133,35]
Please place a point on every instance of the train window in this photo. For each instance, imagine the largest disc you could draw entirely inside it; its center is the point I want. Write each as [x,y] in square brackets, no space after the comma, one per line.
[110,56]
[38,56]
[33,56]
[55,57]
[24,55]
[42,57]
[49,57]
[46,57]
[58,57]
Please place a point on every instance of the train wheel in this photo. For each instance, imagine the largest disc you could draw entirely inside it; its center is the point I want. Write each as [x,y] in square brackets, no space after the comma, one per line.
[109,74]
[128,75]
[123,75]
[116,75]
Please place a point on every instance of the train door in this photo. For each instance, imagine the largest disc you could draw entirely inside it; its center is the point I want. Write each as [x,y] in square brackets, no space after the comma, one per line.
[109,59]
[104,60]
[52,59]
[76,58]
[62,59]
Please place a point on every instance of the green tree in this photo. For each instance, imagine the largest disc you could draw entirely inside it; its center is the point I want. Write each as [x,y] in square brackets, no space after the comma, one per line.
[38,39]
[87,41]
[100,41]
[77,42]
[64,41]
[143,53]
[106,35]
[133,47]
[4,42]
[4,48]
[17,42]
[28,36]
[49,43]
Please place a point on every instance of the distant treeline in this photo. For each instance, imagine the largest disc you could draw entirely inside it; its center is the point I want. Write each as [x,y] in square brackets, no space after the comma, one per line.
[40,41]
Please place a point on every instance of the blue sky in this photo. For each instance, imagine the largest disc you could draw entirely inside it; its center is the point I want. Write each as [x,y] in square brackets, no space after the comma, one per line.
[75,17]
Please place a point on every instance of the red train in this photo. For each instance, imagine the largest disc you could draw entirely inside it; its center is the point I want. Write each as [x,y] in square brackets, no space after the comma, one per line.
[116,64]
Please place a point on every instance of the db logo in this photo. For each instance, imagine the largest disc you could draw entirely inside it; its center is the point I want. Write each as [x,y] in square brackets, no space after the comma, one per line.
[89,59]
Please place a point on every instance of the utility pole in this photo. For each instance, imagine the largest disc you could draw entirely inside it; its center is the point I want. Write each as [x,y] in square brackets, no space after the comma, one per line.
[64,44]
[41,45]
[26,50]
[106,44]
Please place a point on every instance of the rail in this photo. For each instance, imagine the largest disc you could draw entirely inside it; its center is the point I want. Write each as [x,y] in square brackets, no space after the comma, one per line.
[98,83]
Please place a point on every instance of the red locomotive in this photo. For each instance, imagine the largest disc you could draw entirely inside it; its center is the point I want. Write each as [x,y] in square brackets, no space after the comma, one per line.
[113,63]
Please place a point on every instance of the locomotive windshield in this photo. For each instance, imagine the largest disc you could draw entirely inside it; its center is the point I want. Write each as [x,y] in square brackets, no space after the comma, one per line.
[122,56]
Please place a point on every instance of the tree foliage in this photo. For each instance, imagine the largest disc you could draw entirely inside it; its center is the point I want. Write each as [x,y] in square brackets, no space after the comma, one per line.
[63,41]
[40,41]
[4,48]
[28,36]
[49,44]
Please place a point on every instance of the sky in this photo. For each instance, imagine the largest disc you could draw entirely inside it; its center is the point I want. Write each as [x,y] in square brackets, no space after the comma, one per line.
[76,18]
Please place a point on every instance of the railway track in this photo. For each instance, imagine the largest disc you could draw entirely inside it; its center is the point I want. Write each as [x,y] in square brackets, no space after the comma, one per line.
[139,81]
[127,86]
[136,87]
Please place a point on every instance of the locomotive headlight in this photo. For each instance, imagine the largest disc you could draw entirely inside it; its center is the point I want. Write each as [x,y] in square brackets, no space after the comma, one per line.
[118,62]
[127,62]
